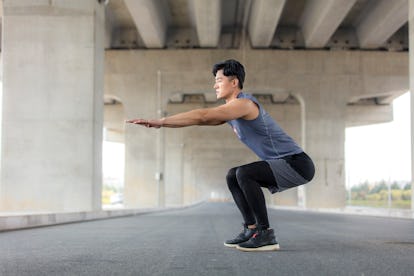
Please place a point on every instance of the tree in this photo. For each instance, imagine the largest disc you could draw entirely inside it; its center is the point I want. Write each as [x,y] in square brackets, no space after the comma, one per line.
[379,187]
[360,191]
[395,186]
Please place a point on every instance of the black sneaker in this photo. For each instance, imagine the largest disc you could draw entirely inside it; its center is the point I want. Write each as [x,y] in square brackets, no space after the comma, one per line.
[262,240]
[245,235]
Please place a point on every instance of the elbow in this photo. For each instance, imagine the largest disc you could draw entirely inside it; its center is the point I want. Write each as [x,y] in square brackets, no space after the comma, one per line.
[203,120]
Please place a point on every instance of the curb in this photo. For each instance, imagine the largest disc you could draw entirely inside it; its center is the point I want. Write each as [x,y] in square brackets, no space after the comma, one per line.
[9,222]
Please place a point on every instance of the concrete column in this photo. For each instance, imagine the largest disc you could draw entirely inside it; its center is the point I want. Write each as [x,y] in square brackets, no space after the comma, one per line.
[411,57]
[325,136]
[52,61]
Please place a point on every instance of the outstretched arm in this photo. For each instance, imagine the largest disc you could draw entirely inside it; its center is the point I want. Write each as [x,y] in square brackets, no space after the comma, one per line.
[190,118]
[240,108]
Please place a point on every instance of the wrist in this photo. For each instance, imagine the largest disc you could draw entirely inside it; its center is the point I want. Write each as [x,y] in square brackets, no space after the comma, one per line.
[162,121]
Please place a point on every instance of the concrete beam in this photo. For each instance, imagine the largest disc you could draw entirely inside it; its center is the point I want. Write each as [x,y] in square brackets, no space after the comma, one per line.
[378,98]
[382,21]
[321,18]
[206,17]
[151,20]
[361,115]
[264,17]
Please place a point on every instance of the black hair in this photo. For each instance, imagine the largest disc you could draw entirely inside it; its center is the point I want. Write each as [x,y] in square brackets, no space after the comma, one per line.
[231,67]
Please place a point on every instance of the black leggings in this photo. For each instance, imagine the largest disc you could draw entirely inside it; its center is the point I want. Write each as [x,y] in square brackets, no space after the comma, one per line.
[245,184]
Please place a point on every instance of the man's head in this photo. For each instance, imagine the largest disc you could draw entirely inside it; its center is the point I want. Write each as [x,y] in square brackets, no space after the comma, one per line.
[231,68]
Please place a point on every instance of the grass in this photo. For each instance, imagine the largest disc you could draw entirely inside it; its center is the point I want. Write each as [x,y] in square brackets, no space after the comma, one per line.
[397,204]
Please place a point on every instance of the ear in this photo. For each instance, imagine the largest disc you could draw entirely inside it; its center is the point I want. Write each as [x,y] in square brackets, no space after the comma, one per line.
[235,82]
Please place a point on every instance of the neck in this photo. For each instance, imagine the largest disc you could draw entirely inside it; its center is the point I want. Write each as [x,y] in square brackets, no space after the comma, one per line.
[233,96]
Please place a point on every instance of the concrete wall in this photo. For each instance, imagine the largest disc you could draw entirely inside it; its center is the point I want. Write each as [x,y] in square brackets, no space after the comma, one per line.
[324,82]
[52,62]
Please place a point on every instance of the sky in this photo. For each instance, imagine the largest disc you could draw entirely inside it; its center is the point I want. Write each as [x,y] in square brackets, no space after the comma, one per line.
[374,153]
[113,160]
[381,151]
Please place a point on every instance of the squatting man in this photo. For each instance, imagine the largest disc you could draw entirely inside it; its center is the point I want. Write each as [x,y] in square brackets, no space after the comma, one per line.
[283,163]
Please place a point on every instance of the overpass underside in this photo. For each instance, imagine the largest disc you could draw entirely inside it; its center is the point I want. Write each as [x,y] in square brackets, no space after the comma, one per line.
[53,112]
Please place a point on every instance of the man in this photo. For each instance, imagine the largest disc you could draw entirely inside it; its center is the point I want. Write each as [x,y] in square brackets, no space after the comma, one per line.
[283,163]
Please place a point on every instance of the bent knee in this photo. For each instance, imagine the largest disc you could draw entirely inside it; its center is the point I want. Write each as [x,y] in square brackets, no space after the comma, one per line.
[231,174]
[242,174]
[231,177]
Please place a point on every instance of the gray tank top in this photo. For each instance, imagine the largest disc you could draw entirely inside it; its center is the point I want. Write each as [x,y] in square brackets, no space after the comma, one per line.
[263,135]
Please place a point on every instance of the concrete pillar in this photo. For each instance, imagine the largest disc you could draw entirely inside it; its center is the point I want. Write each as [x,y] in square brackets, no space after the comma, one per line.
[325,137]
[411,57]
[52,61]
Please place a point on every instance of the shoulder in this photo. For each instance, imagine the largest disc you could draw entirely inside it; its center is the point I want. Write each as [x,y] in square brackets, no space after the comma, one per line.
[240,102]
[246,108]
[243,95]
[249,97]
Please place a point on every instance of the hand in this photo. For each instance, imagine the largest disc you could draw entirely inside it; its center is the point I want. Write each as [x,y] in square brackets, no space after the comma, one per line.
[146,123]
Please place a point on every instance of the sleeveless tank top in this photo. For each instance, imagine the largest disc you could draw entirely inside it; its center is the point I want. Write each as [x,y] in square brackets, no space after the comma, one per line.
[263,135]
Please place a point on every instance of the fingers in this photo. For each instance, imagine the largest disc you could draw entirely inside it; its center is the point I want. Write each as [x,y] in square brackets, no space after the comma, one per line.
[137,121]
[142,122]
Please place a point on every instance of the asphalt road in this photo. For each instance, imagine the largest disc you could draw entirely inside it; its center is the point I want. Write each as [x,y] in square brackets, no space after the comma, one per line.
[190,242]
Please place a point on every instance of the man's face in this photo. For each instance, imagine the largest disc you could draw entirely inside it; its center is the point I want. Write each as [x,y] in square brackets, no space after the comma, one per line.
[224,85]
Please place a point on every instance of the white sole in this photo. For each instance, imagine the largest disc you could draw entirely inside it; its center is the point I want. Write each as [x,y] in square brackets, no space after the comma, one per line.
[230,245]
[272,247]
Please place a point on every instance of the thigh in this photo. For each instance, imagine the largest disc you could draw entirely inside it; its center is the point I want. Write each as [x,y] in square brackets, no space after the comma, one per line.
[260,172]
